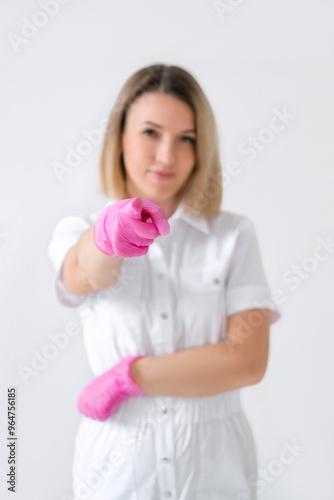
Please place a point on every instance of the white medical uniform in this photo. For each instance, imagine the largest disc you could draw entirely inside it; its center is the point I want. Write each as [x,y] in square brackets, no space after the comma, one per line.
[176,297]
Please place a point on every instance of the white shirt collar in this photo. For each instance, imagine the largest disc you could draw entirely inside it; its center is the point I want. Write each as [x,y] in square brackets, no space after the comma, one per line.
[199,223]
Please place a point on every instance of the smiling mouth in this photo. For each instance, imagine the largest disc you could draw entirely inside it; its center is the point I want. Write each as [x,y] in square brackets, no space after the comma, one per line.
[161,175]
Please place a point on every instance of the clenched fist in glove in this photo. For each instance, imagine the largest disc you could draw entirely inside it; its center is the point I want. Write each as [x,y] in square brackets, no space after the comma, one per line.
[102,396]
[121,230]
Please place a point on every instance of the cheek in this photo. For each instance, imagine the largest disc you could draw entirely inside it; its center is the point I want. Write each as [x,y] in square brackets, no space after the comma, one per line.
[189,157]
[136,148]
[190,165]
[136,158]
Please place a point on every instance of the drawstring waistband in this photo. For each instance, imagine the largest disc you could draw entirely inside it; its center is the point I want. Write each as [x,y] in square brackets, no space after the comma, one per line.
[140,409]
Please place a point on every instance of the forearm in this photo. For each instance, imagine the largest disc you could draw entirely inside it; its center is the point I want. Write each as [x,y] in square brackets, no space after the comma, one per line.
[201,371]
[87,269]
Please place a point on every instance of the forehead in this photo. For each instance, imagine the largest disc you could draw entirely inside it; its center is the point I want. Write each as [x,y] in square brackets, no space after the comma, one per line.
[161,109]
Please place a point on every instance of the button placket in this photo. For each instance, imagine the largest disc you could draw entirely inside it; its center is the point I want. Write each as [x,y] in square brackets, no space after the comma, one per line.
[162,338]
[164,443]
[163,416]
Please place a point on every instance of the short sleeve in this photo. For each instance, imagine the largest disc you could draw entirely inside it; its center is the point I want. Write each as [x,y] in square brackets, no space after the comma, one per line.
[65,235]
[246,282]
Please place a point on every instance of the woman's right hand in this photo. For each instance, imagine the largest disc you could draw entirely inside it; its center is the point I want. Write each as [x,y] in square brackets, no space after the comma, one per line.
[122,230]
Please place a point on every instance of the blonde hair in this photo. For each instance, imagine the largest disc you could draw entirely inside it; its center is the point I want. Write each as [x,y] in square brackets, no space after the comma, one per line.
[202,193]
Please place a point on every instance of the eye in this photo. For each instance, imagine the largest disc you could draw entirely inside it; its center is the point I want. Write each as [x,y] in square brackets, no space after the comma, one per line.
[192,141]
[149,130]
[185,138]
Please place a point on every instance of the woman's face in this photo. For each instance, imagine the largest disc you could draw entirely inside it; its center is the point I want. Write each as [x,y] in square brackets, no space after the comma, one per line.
[158,148]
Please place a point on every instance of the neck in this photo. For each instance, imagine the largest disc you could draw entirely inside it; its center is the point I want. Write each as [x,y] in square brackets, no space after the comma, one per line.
[169,207]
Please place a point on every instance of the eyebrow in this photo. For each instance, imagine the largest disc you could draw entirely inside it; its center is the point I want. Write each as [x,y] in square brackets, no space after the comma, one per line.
[159,126]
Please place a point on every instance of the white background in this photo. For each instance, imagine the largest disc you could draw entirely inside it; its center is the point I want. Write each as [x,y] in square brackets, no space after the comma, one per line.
[256,57]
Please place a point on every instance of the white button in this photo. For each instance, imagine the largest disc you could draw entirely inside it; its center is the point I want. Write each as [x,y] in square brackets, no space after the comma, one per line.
[165,460]
[168,494]
[160,275]
[164,315]
[216,281]
[164,409]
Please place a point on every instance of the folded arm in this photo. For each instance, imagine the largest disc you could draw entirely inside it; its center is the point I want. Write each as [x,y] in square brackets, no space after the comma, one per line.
[238,361]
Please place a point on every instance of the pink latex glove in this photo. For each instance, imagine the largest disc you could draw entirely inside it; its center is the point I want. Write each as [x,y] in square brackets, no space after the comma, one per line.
[121,230]
[102,396]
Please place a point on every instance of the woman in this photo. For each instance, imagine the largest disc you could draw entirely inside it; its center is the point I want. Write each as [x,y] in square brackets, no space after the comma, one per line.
[174,303]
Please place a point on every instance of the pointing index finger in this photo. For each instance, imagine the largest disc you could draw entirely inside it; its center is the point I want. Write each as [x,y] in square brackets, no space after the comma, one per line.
[157,214]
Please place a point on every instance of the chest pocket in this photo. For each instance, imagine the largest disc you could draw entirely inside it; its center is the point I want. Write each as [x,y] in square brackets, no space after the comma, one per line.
[114,319]
[126,292]
[202,302]
[130,281]
[117,311]
[202,279]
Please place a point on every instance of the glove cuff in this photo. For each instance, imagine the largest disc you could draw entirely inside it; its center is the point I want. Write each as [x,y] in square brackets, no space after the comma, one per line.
[100,237]
[126,385]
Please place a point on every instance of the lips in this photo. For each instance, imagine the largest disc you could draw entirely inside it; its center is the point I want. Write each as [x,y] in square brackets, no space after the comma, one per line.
[160,174]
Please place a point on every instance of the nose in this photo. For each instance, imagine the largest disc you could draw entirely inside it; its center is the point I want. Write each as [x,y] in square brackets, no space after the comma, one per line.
[165,152]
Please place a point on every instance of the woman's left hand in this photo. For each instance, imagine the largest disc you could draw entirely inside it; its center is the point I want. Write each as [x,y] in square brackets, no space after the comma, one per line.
[102,396]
